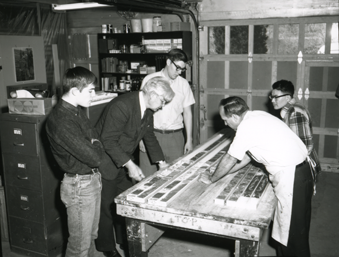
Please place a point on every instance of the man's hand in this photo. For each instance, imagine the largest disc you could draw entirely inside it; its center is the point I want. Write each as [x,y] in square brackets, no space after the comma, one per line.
[188,146]
[205,178]
[163,165]
[142,147]
[134,171]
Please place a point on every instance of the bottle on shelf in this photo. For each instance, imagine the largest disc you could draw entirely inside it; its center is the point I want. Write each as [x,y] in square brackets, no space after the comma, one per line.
[128,85]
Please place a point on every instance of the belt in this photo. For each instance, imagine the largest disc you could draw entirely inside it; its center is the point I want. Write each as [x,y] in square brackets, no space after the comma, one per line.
[95,170]
[302,164]
[170,131]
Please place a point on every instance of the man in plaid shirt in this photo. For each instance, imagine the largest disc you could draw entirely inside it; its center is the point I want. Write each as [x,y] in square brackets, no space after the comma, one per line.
[297,118]
[294,115]
[299,121]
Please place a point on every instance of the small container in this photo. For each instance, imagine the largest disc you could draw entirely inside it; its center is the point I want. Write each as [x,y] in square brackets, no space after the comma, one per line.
[156,23]
[109,28]
[124,49]
[126,28]
[136,25]
[128,85]
[147,24]
[122,85]
[104,28]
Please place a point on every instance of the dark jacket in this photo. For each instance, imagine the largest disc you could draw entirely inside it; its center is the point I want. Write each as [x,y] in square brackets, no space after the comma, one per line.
[121,129]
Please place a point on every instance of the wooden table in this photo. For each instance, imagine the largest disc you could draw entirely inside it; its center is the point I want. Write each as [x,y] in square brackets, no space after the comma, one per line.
[175,198]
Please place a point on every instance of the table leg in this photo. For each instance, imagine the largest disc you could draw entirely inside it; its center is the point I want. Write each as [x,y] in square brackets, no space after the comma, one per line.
[134,238]
[141,236]
[246,248]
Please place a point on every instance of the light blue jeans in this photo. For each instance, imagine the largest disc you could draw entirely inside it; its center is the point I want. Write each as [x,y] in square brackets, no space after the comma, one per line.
[81,195]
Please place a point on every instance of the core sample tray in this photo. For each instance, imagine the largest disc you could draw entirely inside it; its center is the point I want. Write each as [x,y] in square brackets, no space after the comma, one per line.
[244,190]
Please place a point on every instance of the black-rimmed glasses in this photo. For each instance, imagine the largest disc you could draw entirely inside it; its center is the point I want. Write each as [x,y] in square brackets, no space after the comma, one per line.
[276,96]
[178,67]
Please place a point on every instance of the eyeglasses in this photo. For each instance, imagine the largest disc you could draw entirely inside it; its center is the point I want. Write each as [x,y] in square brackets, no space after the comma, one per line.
[272,97]
[178,67]
[163,101]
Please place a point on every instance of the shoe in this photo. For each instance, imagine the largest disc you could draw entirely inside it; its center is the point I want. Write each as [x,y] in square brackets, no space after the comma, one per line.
[113,253]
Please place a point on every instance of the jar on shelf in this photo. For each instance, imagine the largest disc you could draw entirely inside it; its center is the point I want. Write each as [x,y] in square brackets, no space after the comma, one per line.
[128,85]
[122,85]
[156,23]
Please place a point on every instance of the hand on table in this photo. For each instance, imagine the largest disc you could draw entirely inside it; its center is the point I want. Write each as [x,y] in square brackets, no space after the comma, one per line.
[205,178]
[163,165]
[134,171]
[188,147]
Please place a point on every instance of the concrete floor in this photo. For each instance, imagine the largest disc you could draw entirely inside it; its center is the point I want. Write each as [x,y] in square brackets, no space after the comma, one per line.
[324,235]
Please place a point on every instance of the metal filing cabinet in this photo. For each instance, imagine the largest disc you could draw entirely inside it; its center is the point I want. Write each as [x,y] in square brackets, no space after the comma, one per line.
[36,215]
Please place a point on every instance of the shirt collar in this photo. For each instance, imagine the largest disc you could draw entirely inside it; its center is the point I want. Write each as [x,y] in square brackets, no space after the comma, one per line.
[74,110]
[169,79]
[142,103]
[287,107]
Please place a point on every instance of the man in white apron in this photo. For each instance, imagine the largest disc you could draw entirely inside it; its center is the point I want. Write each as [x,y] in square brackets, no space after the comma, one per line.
[267,140]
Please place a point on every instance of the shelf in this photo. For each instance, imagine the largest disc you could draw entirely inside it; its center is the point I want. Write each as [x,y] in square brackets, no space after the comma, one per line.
[131,54]
[158,43]
[123,73]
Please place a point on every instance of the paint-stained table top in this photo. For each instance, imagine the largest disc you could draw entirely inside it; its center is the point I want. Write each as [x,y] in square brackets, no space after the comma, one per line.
[175,197]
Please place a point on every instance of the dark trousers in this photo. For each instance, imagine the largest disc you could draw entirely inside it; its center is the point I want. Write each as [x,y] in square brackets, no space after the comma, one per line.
[108,216]
[298,240]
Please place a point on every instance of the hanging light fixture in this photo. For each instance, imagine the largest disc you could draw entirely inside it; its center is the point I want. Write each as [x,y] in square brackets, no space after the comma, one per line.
[76,6]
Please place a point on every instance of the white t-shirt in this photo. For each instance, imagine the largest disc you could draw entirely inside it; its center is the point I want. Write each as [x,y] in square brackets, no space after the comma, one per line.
[269,140]
[170,116]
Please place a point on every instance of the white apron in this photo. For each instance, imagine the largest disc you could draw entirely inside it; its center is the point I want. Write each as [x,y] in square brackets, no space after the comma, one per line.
[283,181]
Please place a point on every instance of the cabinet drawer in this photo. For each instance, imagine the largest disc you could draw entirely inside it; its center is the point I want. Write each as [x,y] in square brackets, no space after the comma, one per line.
[25,203]
[35,237]
[19,138]
[22,171]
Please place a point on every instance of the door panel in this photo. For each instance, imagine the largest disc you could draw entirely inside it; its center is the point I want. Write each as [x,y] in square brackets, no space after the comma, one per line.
[321,81]
[276,49]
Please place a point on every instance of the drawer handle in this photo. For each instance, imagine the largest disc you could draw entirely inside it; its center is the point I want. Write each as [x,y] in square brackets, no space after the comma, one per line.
[18,144]
[27,241]
[24,208]
[22,178]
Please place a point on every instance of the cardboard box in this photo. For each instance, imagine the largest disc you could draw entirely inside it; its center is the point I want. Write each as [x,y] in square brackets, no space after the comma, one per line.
[180,26]
[32,87]
[30,106]
[166,26]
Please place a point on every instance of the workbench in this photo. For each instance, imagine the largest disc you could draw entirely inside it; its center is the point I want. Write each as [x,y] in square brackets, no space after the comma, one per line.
[174,198]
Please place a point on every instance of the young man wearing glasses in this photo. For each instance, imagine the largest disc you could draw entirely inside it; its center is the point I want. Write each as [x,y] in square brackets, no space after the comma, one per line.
[299,120]
[293,114]
[176,116]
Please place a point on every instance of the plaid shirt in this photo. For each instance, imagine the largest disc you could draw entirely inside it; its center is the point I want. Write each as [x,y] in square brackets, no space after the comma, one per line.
[298,119]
